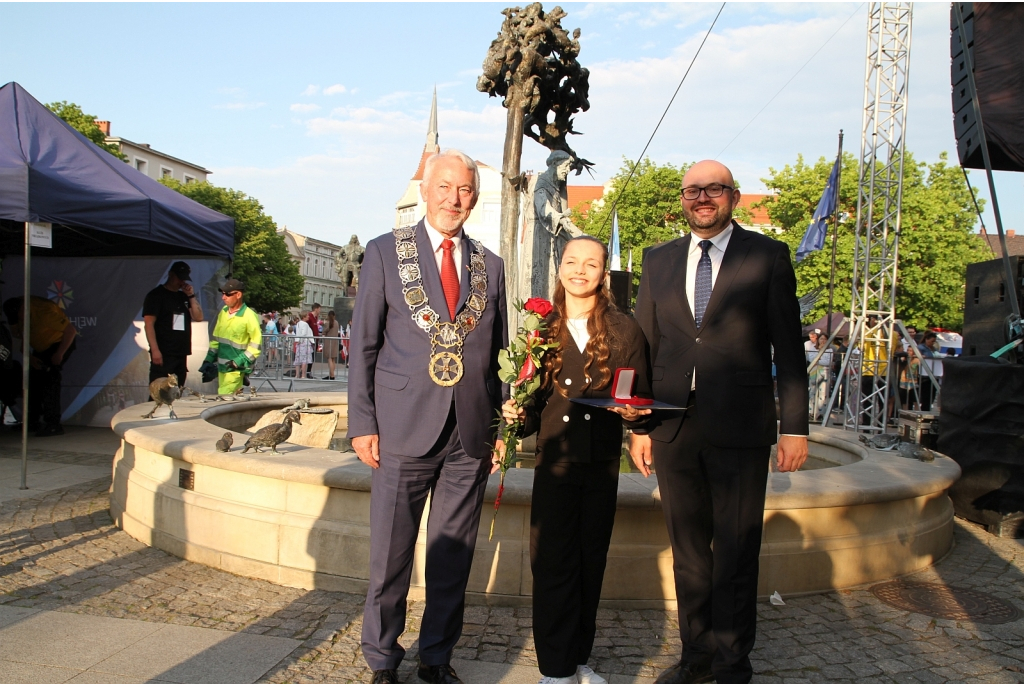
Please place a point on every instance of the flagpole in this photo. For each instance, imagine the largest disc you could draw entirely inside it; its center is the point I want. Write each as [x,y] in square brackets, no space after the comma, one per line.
[835,233]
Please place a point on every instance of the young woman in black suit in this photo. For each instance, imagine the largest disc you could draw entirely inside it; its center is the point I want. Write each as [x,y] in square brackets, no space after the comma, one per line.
[576,476]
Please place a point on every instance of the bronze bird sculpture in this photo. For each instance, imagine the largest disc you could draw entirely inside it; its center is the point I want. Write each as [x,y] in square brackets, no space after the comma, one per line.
[273,435]
[224,444]
[164,391]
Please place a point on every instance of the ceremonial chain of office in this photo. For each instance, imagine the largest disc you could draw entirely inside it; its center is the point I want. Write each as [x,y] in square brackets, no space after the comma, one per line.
[446,339]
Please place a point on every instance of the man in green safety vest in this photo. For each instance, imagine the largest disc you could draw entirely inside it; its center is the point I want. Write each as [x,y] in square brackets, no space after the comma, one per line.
[235,342]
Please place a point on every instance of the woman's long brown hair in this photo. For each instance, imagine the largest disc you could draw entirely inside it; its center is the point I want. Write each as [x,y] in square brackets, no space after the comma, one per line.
[602,333]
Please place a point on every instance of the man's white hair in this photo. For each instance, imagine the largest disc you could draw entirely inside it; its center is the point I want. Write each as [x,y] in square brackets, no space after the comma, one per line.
[462,157]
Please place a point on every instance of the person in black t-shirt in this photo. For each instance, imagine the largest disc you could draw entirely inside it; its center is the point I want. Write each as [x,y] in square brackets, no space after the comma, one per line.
[168,312]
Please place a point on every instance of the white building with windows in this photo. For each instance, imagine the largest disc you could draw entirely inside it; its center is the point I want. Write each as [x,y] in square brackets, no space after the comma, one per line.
[153,163]
[316,263]
[484,223]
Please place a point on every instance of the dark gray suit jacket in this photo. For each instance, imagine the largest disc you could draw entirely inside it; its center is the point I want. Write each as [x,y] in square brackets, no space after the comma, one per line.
[389,390]
[753,309]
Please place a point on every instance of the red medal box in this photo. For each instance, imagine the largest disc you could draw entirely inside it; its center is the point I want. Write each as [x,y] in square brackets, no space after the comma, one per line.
[622,388]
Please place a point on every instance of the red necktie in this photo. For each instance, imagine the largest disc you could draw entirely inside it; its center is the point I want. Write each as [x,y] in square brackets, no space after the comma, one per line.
[449,277]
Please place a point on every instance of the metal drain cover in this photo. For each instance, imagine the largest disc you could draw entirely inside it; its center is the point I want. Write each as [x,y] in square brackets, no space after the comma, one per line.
[943,601]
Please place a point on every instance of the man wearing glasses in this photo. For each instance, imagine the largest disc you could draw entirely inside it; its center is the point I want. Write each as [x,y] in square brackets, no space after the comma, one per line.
[713,305]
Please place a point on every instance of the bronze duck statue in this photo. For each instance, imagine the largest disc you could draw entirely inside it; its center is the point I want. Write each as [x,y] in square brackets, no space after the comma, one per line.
[164,391]
[273,435]
[224,444]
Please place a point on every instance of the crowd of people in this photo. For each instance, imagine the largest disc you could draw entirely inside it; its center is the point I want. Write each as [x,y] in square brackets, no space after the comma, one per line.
[910,387]
[304,338]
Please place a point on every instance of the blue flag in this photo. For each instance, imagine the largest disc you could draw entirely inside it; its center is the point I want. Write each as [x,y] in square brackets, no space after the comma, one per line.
[814,238]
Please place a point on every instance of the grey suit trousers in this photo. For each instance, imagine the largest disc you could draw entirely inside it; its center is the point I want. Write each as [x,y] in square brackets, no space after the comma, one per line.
[456,483]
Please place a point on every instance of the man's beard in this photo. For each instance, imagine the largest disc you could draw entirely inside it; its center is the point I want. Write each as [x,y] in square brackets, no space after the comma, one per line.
[450,224]
[720,219]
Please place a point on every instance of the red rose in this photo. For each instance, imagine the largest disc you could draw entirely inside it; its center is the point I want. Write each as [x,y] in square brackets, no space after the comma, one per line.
[539,306]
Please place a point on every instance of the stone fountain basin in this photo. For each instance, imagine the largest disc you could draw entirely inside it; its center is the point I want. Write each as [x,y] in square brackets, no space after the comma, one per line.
[301,518]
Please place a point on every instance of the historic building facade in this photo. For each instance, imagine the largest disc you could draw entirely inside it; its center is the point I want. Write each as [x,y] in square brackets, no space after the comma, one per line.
[316,259]
[154,163]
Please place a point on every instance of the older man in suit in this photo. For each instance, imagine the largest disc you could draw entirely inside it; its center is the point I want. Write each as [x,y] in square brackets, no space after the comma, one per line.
[429,320]
[713,305]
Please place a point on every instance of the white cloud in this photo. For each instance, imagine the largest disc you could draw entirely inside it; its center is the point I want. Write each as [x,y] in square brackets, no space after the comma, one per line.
[368,151]
[361,120]
[394,98]
[311,90]
[304,108]
[336,89]
[240,105]
[239,96]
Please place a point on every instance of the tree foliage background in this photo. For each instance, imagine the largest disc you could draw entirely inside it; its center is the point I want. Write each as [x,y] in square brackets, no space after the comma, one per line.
[84,124]
[649,210]
[936,241]
[262,262]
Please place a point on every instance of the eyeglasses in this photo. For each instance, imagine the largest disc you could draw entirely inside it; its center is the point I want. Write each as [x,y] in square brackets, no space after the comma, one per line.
[713,190]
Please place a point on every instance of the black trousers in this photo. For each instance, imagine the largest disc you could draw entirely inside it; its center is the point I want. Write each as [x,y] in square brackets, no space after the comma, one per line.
[570,529]
[44,386]
[927,394]
[176,365]
[711,493]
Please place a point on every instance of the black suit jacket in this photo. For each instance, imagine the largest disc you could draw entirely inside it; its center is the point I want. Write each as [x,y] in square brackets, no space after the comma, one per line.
[753,308]
[567,431]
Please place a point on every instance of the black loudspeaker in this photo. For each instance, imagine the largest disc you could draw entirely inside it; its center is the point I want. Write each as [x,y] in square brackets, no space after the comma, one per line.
[622,289]
[987,304]
[981,426]
[994,32]
[343,308]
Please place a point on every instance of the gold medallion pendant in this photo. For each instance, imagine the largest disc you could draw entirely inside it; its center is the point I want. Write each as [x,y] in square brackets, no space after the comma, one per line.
[445,368]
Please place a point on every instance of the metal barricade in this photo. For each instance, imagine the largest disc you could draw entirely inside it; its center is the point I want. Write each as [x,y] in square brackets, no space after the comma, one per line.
[287,359]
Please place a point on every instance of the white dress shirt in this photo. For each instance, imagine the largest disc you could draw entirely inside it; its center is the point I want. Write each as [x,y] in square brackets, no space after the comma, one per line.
[716,252]
[578,330]
[436,238]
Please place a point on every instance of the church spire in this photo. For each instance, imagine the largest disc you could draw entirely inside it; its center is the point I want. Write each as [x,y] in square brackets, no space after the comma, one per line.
[431,145]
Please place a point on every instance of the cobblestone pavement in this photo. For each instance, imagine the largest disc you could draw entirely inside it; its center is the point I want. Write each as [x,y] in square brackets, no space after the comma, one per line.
[62,552]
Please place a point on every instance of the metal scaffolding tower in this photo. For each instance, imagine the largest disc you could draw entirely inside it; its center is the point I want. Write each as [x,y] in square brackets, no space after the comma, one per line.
[873,334]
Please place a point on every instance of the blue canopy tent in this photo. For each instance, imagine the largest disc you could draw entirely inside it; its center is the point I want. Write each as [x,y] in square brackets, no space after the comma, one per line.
[98,205]
[49,172]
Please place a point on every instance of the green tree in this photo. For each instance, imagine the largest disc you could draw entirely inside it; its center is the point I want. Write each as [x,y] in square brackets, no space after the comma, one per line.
[262,262]
[649,209]
[84,124]
[936,242]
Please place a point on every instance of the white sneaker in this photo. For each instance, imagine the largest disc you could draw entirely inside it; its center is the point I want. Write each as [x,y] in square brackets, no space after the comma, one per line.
[548,679]
[585,674]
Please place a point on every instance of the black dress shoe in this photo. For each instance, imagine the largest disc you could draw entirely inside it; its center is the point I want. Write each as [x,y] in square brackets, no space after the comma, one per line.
[438,674]
[385,675]
[687,672]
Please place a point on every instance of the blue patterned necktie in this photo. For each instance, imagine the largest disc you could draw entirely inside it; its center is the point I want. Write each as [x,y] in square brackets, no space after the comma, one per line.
[702,284]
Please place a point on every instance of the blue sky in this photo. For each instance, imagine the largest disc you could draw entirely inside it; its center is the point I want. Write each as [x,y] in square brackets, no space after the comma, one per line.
[320,110]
